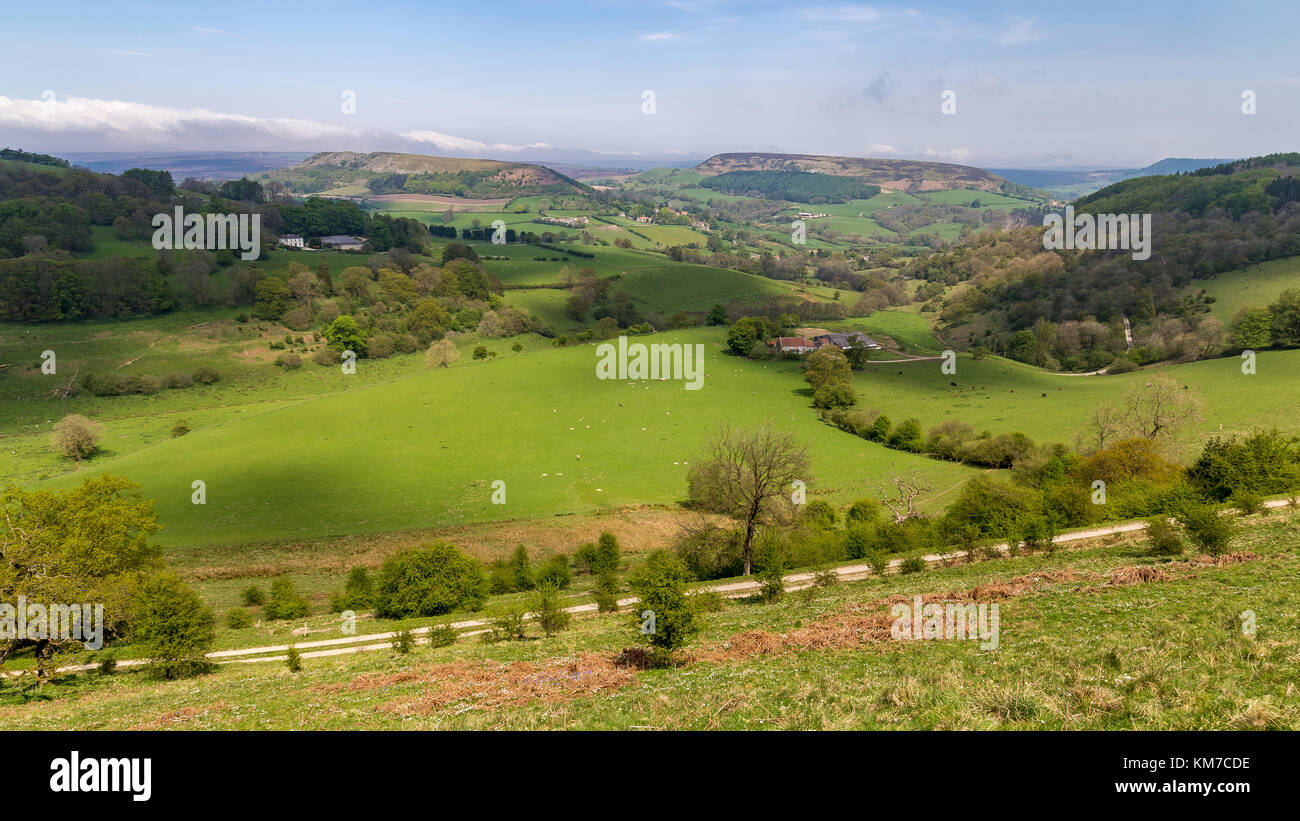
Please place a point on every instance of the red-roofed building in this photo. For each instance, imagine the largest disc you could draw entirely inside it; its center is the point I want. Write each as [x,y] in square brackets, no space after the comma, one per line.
[791,344]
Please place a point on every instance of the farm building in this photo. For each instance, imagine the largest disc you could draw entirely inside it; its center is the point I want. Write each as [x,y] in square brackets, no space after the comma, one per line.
[291,241]
[343,242]
[791,344]
[844,341]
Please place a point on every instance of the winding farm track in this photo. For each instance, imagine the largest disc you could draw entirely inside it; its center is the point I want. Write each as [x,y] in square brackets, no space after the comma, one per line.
[471,627]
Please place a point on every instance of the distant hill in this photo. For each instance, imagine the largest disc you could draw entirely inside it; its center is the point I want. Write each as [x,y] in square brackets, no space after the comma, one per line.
[1075,182]
[386,172]
[895,175]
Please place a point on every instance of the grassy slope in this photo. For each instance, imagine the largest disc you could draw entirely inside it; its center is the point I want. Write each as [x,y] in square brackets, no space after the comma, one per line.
[1256,286]
[412,453]
[1072,655]
[1002,395]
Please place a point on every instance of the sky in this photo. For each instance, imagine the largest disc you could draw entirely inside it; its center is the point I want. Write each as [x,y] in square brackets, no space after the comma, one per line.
[1099,84]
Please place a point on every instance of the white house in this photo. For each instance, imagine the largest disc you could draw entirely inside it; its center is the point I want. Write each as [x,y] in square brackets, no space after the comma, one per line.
[291,241]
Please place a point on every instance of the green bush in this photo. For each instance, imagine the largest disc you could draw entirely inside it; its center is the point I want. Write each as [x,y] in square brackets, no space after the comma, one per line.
[508,624]
[293,659]
[1163,539]
[1247,502]
[404,641]
[522,568]
[358,592]
[253,596]
[818,513]
[172,627]
[181,428]
[607,555]
[442,635]
[238,618]
[285,603]
[912,564]
[549,610]
[660,583]
[428,581]
[206,375]
[1208,530]
[606,591]
[554,571]
[501,578]
[863,512]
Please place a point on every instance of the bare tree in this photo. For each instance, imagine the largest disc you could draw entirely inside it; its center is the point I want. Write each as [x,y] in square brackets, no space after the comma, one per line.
[1106,423]
[1161,407]
[746,475]
[907,487]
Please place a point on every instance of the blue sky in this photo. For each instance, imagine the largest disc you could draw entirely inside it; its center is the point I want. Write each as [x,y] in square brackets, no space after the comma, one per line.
[1038,84]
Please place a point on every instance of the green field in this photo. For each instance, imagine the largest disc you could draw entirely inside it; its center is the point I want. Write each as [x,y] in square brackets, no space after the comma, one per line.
[1257,286]
[382,456]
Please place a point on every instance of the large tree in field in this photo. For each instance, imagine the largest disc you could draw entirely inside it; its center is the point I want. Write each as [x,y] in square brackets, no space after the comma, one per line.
[827,366]
[1161,408]
[86,545]
[746,475]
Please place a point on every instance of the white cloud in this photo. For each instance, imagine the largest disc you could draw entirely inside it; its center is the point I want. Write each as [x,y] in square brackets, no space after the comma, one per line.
[862,15]
[958,155]
[1020,30]
[447,142]
[657,37]
[881,148]
[204,31]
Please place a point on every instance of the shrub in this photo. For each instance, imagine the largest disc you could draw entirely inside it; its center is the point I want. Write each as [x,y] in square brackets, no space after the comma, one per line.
[585,557]
[606,591]
[480,352]
[428,581]
[1247,502]
[1264,462]
[501,578]
[172,627]
[522,569]
[878,561]
[325,356]
[660,583]
[238,619]
[607,554]
[835,395]
[912,564]
[358,592]
[253,595]
[289,361]
[293,659]
[178,379]
[181,428]
[711,552]
[825,577]
[404,641]
[863,511]
[107,664]
[554,571]
[819,514]
[442,635]
[380,346]
[76,437]
[1208,530]
[708,601]
[1162,538]
[285,603]
[508,624]
[772,558]
[206,375]
[549,609]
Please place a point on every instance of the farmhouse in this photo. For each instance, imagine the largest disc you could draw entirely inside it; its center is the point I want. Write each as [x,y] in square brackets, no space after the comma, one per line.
[291,241]
[844,341]
[343,242]
[791,344]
